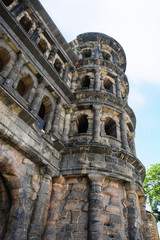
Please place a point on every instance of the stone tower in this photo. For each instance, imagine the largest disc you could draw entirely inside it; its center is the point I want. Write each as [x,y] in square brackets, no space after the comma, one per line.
[68,167]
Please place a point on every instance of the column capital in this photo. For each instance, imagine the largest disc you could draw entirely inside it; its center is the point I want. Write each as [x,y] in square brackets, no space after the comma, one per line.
[45,170]
[123,117]
[97,108]
[94,177]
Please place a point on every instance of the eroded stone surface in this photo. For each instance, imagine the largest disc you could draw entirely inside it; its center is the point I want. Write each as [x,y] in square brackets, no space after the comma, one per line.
[68,168]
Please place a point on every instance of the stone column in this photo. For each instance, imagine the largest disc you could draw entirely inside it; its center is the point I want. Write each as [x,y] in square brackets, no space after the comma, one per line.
[97,126]
[123,132]
[49,121]
[102,83]
[74,78]
[118,89]
[19,8]
[146,233]
[133,231]
[14,72]
[96,52]
[53,216]
[41,207]
[95,206]
[57,117]
[132,143]
[90,125]
[52,55]
[97,80]
[66,72]
[66,125]
[91,86]
[36,35]
[36,103]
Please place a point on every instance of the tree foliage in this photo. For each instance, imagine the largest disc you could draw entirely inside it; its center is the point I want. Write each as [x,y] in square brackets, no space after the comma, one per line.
[152,189]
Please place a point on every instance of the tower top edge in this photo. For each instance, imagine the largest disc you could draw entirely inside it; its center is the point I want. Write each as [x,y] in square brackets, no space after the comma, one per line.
[102,38]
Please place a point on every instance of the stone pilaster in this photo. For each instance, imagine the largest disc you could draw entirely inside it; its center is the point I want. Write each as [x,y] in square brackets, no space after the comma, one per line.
[102,82]
[118,89]
[97,80]
[57,117]
[74,78]
[41,207]
[52,55]
[19,8]
[36,35]
[36,103]
[146,234]
[97,127]
[97,53]
[53,216]
[66,72]
[66,126]
[132,145]
[49,121]
[95,206]
[133,231]
[123,132]
[91,86]
[14,72]
[90,125]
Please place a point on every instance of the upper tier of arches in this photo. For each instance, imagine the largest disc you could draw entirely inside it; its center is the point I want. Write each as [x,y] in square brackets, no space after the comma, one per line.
[101,46]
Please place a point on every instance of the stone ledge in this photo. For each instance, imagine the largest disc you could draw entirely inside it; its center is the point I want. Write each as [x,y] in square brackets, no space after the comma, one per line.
[16,106]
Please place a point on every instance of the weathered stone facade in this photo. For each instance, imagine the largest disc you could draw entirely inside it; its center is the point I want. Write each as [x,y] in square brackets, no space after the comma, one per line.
[68,167]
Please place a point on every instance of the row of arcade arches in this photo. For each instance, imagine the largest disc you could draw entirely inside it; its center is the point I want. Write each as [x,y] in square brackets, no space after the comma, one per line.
[86,81]
[109,126]
[26,85]
[28,25]
[87,53]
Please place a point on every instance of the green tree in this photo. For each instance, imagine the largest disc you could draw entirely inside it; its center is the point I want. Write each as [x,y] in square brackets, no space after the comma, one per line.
[152,189]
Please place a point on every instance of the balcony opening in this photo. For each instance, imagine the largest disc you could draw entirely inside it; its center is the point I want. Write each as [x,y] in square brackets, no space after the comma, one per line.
[7,2]
[110,127]
[108,85]
[4,58]
[44,111]
[42,45]
[106,56]
[87,53]
[26,23]
[85,82]
[58,65]
[82,123]
[25,85]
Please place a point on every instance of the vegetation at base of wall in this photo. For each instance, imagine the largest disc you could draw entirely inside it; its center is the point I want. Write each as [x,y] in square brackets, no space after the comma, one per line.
[152,189]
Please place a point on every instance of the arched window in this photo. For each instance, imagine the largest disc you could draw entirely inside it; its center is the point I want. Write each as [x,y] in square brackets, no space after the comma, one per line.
[44,111]
[4,58]
[42,45]
[106,56]
[26,23]
[108,85]
[82,123]
[110,127]
[130,134]
[87,53]
[58,65]
[85,82]
[25,85]
[7,2]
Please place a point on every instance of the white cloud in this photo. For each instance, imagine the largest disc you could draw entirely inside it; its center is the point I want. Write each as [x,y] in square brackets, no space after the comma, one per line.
[136,99]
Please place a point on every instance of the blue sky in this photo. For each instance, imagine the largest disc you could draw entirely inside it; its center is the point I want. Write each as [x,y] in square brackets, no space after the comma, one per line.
[135,24]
